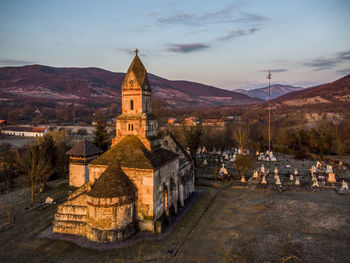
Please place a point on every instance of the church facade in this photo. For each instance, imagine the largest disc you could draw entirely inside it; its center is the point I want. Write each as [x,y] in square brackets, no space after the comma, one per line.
[139,182]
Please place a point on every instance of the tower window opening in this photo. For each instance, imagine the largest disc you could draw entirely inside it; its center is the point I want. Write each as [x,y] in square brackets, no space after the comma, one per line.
[131,104]
[130,127]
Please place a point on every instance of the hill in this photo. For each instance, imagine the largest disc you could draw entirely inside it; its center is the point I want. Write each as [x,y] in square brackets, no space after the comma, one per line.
[336,92]
[277,90]
[95,85]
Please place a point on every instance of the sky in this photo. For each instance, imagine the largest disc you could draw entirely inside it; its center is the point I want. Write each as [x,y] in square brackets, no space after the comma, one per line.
[227,44]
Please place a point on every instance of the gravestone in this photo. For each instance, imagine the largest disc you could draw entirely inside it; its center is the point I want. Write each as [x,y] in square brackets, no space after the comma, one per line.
[331,178]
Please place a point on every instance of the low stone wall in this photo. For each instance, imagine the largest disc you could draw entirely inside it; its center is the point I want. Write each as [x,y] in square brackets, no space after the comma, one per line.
[99,235]
[111,213]
[70,227]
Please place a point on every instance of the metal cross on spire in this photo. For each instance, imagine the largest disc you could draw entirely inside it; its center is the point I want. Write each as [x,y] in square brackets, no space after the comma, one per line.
[136,51]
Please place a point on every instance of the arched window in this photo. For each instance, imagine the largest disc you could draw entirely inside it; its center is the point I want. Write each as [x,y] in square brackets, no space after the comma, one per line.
[131,104]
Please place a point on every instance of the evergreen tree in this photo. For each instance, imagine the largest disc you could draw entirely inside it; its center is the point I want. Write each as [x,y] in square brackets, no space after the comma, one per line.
[101,138]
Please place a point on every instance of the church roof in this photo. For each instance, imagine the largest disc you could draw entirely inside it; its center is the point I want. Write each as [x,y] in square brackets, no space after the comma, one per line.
[188,157]
[136,71]
[113,183]
[181,148]
[84,148]
[131,153]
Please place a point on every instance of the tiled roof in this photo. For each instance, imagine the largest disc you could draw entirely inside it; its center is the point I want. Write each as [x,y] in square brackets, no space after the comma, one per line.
[113,183]
[131,153]
[188,157]
[24,129]
[137,70]
[84,148]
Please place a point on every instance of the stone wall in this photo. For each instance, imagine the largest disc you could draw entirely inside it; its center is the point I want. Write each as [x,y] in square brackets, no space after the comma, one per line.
[186,172]
[142,127]
[143,180]
[71,215]
[111,219]
[166,188]
[79,170]
[99,219]
[78,174]
[95,171]
[169,143]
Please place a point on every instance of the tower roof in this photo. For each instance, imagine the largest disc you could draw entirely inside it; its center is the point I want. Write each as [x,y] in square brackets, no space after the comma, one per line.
[136,72]
[84,148]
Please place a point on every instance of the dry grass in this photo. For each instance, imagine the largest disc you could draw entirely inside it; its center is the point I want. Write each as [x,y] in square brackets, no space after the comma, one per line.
[225,225]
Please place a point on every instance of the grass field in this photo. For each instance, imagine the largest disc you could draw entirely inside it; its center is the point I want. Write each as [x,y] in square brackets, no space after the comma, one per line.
[225,225]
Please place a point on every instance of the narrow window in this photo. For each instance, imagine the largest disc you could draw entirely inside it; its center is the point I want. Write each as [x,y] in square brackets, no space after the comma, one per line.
[131,104]
[129,211]
[132,127]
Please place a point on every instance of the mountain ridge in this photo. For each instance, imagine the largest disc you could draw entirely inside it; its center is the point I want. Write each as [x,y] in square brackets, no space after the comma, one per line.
[335,91]
[91,83]
[277,90]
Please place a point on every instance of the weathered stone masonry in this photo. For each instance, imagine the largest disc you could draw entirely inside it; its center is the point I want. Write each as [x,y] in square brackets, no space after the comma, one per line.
[142,178]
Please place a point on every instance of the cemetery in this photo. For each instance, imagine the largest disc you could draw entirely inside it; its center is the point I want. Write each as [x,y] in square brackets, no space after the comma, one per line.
[278,172]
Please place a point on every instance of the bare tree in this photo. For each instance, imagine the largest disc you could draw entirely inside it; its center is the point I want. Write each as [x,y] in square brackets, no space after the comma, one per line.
[192,135]
[240,136]
[34,165]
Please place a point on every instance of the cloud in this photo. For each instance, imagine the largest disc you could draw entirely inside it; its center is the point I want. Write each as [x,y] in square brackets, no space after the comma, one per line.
[345,55]
[344,72]
[186,48]
[238,33]
[224,11]
[226,15]
[276,70]
[181,18]
[251,18]
[321,63]
[14,62]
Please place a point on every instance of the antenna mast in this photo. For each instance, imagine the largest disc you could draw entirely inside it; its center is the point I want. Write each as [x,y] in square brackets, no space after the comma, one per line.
[269,108]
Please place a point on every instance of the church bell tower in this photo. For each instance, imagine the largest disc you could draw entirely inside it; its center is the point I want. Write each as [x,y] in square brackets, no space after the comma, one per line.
[136,117]
[136,91]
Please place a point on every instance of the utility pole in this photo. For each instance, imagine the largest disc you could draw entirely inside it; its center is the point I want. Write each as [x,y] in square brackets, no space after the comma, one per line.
[269,108]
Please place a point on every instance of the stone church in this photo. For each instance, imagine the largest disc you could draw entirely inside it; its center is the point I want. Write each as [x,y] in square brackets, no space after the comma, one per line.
[140,181]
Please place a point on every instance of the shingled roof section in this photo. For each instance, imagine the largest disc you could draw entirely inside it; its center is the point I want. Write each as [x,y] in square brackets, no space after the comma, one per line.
[131,153]
[138,70]
[113,183]
[188,157]
[84,148]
